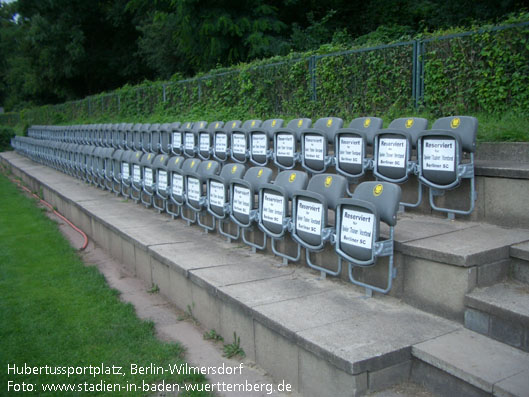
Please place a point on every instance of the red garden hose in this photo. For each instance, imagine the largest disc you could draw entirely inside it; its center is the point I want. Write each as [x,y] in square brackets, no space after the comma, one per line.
[57,213]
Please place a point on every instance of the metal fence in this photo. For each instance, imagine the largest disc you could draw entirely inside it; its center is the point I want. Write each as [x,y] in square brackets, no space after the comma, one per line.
[371,81]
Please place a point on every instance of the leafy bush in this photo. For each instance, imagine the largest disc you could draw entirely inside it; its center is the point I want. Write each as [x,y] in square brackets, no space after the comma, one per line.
[6,134]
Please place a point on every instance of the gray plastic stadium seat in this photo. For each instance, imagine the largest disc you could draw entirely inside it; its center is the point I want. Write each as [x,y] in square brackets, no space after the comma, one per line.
[392,152]
[350,146]
[205,139]
[440,158]
[315,142]
[261,139]
[148,178]
[146,138]
[126,172]
[218,195]
[240,140]
[149,190]
[136,175]
[274,208]
[191,138]
[286,143]
[358,228]
[222,140]
[176,138]
[176,166]
[117,158]
[155,138]
[310,224]
[136,137]
[161,193]
[165,138]
[194,182]
[108,171]
[243,203]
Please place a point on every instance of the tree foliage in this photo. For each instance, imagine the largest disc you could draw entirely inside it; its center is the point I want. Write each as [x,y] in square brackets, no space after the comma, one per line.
[57,50]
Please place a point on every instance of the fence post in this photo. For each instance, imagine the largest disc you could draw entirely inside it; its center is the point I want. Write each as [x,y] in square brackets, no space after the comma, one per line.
[119,104]
[89,107]
[418,72]
[164,95]
[199,89]
[312,72]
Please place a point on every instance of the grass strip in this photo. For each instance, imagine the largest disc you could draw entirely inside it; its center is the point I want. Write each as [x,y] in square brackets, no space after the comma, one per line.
[56,311]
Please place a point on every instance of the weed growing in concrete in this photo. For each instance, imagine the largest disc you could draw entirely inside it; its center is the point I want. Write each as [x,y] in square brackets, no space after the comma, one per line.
[212,335]
[234,349]
[154,289]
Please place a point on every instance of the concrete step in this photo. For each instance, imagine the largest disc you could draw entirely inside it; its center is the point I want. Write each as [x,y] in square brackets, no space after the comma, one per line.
[465,363]
[501,312]
[520,262]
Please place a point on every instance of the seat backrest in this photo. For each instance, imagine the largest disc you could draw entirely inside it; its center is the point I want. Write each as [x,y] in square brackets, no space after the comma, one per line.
[368,125]
[271,125]
[249,124]
[329,126]
[299,125]
[209,167]
[231,171]
[384,196]
[331,186]
[175,163]
[190,165]
[291,181]
[257,176]
[411,125]
[464,126]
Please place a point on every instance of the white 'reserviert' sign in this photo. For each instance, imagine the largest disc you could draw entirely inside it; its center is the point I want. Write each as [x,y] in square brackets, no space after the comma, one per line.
[136,173]
[189,141]
[285,145]
[241,200]
[177,140]
[350,150]
[392,152]
[273,208]
[193,189]
[216,194]
[314,147]
[162,180]
[438,154]
[221,143]
[238,143]
[357,228]
[204,142]
[259,144]
[125,170]
[148,176]
[309,217]
[178,185]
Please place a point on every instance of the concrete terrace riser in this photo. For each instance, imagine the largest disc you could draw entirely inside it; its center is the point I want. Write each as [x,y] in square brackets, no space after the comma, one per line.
[287,352]
[435,269]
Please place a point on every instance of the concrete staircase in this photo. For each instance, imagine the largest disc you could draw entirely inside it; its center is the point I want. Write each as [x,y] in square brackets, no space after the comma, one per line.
[456,320]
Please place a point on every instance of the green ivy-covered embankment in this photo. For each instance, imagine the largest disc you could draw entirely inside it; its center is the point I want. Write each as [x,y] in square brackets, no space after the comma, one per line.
[483,73]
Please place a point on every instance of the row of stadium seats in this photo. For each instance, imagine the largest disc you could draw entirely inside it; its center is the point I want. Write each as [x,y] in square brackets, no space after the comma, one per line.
[315,211]
[394,154]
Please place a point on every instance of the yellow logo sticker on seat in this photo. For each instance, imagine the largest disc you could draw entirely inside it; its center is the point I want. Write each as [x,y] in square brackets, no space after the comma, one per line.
[300,123]
[161,159]
[149,156]
[233,169]
[176,160]
[260,173]
[209,165]
[233,125]
[274,123]
[328,181]
[253,123]
[292,177]
[455,122]
[367,122]
[329,123]
[217,125]
[377,190]
[409,123]
[137,155]
[192,163]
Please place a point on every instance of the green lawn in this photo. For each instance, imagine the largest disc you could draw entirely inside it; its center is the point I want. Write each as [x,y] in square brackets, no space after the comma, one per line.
[54,311]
